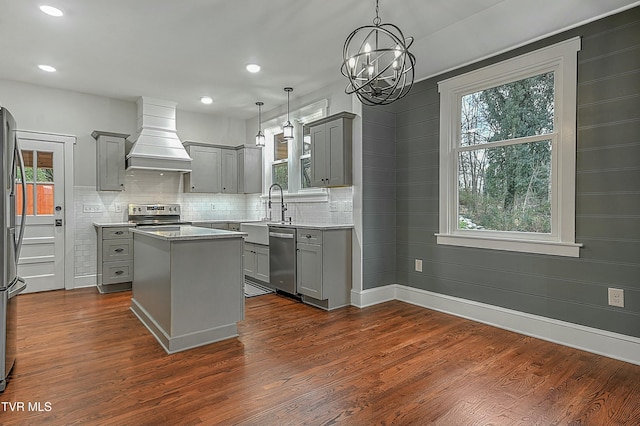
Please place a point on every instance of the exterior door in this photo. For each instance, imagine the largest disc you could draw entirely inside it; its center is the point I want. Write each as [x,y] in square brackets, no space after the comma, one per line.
[41,262]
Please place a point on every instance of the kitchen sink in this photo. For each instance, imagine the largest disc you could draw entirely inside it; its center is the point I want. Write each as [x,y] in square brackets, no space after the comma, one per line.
[257,232]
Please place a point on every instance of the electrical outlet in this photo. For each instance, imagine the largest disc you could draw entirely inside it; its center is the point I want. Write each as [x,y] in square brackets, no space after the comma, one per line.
[418,265]
[118,208]
[213,206]
[348,206]
[92,208]
[333,206]
[616,297]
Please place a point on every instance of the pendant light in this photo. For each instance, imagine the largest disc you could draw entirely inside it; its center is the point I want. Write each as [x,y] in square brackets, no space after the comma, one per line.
[378,64]
[260,136]
[287,128]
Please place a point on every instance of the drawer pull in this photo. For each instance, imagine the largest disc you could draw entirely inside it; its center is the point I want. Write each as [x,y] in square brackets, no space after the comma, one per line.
[119,232]
[119,272]
[119,250]
[308,235]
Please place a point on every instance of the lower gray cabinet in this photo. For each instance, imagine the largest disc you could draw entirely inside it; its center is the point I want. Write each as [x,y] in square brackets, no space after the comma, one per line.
[115,259]
[256,261]
[323,263]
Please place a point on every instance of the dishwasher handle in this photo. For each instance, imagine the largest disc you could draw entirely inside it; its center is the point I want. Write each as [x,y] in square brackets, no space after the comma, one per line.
[282,235]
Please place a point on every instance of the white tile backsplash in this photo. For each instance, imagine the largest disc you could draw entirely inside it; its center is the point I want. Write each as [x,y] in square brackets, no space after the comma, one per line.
[143,186]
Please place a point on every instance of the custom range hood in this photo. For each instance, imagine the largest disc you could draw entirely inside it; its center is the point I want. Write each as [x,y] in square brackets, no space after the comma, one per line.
[157,146]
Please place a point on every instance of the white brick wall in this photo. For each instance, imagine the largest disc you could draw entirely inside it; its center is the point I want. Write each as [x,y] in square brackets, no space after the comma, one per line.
[150,187]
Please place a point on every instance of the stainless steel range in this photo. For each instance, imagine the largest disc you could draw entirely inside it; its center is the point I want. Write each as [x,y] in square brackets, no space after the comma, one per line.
[155,215]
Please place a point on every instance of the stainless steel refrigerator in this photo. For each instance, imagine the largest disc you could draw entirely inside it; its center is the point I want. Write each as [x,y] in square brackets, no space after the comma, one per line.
[10,283]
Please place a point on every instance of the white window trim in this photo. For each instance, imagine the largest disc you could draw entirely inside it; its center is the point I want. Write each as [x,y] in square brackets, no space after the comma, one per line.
[560,58]
[299,116]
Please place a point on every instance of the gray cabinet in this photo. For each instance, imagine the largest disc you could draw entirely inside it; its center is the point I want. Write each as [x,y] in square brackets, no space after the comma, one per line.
[223,169]
[331,150]
[249,170]
[323,263]
[206,172]
[256,261]
[229,169]
[110,160]
[115,259]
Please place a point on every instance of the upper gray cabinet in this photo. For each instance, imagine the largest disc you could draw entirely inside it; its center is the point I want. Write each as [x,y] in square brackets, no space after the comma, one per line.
[229,169]
[223,169]
[110,160]
[331,150]
[206,171]
[249,169]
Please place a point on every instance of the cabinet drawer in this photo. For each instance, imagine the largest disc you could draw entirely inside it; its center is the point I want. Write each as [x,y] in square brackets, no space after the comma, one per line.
[116,250]
[309,236]
[117,272]
[113,233]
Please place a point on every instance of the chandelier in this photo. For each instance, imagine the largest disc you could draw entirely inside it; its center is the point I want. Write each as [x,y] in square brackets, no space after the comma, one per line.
[378,63]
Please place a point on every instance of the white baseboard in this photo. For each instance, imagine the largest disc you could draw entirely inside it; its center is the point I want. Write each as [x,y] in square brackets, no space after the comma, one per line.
[601,342]
[82,281]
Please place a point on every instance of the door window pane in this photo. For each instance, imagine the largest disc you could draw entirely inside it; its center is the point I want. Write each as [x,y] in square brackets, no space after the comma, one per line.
[38,175]
[44,183]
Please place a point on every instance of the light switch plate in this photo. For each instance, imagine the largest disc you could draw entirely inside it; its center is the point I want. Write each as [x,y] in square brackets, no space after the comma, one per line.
[418,265]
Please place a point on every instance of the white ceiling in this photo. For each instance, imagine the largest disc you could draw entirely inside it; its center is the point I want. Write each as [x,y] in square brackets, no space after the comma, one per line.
[182,50]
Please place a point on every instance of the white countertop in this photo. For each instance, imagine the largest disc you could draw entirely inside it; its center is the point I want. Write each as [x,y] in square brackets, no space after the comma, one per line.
[188,232]
[113,224]
[320,226]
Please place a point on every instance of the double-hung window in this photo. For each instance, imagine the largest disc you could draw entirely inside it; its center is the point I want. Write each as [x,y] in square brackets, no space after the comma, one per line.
[288,162]
[507,154]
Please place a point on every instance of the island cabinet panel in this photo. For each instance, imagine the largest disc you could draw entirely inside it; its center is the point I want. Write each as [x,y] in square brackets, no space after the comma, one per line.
[323,262]
[189,292]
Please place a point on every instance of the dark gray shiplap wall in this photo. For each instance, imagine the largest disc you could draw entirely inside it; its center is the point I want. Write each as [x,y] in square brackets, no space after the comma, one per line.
[379,195]
[607,200]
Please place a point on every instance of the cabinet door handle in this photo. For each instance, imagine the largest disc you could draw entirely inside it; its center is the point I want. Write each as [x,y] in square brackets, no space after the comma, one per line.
[119,272]
[119,250]
[119,232]
[308,235]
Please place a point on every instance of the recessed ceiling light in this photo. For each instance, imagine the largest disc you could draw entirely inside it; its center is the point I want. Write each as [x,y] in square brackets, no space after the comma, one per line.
[51,11]
[47,68]
[253,68]
[206,100]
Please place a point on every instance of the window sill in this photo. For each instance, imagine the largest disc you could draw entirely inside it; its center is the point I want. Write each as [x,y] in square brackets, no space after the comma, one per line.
[309,196]
[524,246]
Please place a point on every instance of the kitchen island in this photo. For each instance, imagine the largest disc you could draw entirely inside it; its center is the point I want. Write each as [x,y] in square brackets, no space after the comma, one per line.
[188,284]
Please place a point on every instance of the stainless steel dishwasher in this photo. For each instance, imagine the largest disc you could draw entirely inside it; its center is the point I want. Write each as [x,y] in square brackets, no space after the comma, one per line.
[282,259]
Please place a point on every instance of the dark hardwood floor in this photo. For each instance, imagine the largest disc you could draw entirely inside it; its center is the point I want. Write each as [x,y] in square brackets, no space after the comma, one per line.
[86,359]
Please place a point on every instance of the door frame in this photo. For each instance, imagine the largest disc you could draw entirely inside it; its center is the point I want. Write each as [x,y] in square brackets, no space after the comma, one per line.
[68,142]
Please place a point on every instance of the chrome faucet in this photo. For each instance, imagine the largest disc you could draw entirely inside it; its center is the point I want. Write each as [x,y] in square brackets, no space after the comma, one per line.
[283,207]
